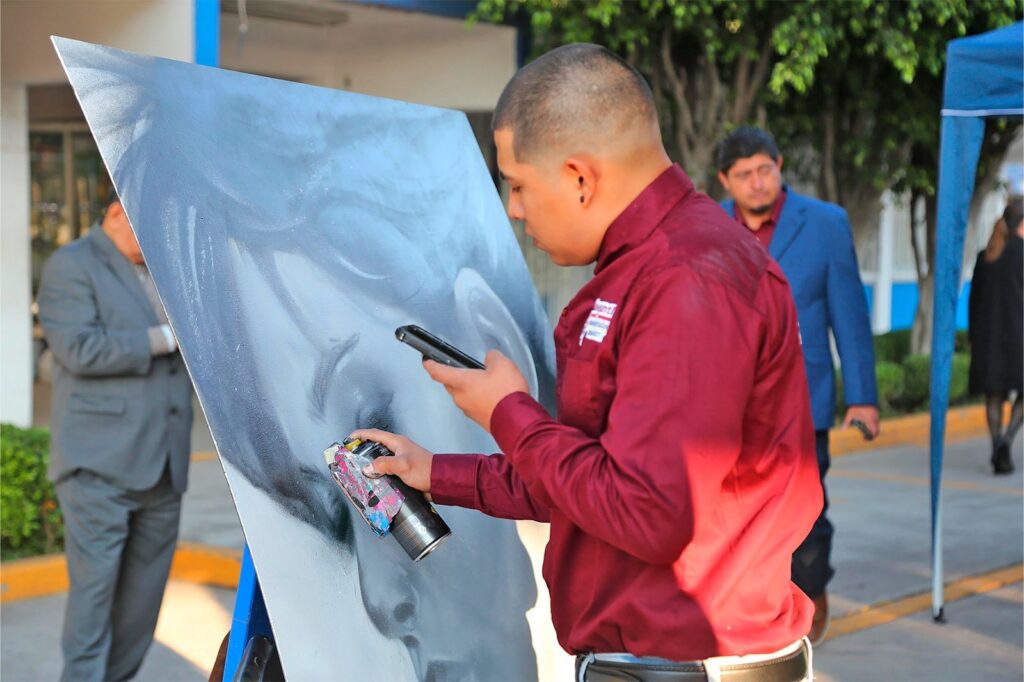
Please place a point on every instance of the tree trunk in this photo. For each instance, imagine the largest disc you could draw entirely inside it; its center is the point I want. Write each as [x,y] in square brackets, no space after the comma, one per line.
[703,103]
[921,332]
[920,264]
[828,155]
[864,208]
[996,142]
[699,166]
[993,153]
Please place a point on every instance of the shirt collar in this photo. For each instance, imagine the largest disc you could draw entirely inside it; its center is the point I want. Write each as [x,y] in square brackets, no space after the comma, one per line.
[773,219]
[103,241]
[644,213]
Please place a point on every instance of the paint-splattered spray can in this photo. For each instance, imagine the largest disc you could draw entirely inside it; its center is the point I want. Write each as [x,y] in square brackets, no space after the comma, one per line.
[387,504]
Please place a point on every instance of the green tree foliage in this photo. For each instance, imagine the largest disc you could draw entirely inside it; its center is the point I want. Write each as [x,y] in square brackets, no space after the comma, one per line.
[871,104]
[859,80]
[851,88]
[708,61]
[30,521]
[870,113]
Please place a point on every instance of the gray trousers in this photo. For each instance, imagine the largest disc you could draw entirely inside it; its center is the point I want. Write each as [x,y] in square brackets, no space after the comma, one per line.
[119,545]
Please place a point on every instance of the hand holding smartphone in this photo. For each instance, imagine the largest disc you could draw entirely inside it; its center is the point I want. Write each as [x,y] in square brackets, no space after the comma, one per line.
[863,428]
[433,348]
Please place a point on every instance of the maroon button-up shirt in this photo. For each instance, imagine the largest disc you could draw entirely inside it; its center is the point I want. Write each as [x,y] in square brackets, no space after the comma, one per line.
[680,473]
[767,229]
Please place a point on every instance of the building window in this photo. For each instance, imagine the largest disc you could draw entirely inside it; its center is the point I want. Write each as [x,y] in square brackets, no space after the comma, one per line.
[69,189]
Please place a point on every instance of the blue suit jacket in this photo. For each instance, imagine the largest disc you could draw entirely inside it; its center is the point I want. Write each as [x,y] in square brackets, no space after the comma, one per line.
[814,246]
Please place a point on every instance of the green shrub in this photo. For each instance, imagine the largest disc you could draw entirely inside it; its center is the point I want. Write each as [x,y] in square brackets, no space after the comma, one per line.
[30,521]
[917,371]
[893,346]
[918,381]
[961,343]
[905,387]
[958,379]
[891,380]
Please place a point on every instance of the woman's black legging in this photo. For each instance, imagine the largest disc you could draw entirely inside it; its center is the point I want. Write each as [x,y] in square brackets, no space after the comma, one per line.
[994,412]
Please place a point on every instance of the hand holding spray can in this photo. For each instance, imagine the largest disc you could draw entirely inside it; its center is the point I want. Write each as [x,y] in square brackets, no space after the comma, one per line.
[386,503]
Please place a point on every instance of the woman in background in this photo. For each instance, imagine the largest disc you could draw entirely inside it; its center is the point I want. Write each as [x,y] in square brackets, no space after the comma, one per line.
[996,318]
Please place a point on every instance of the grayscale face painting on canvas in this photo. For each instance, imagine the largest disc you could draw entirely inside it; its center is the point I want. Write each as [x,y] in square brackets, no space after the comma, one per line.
[290,229]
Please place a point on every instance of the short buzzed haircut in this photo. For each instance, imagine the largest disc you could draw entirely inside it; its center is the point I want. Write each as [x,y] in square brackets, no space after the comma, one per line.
[573,93]
[743,143]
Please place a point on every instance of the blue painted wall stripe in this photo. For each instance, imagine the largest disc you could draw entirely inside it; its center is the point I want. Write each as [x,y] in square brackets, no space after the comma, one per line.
[961,306]
[207,32]
[458,9]
[904,304]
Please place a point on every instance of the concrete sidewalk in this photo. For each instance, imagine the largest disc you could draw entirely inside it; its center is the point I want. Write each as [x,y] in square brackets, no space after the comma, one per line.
[192,622]
[882,553]
[880,509]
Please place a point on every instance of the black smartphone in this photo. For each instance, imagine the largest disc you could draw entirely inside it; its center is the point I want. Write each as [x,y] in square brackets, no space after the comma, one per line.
[863,428]
[433,348]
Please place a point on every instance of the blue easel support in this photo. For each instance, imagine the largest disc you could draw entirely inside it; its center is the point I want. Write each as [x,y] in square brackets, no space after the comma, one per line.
[249,618]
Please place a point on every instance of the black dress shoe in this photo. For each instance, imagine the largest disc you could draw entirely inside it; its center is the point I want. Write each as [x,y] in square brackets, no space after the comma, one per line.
[1002,463]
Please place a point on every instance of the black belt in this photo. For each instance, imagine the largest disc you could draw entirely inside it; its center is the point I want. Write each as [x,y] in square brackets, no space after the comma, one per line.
[792,667]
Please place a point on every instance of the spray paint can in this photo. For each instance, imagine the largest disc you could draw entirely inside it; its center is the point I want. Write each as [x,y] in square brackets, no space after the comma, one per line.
[386,503]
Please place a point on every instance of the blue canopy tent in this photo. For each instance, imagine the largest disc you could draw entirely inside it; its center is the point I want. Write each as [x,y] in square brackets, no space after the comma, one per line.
[984,78]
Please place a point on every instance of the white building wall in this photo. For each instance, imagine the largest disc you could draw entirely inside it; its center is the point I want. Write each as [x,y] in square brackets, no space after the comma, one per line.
[413,57]
[886,255]
[159,27]
[15,281]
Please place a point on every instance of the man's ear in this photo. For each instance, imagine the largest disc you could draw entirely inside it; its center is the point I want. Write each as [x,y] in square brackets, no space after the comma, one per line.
[724,180]
[583,175]
[779,162]
[478,309]
[113,217]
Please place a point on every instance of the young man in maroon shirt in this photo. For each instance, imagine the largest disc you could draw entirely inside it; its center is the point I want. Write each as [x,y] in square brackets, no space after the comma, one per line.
[679,474]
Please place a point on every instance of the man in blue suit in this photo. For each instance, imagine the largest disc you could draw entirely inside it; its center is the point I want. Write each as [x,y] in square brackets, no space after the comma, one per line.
[812,242]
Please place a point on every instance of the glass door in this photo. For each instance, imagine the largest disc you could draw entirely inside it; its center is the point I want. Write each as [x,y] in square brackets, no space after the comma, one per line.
[69,189]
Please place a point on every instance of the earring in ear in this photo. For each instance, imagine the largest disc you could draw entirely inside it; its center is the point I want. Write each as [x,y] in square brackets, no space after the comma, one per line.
[581,198]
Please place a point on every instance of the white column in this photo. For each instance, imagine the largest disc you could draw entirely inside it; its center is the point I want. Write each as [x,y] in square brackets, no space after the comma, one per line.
[15,260]
[881,321]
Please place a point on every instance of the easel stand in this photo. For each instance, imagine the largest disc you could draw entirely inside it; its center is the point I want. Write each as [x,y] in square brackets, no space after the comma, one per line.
[252,654]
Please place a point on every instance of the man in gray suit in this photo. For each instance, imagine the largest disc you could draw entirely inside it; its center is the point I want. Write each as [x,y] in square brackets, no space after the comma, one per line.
[122,414]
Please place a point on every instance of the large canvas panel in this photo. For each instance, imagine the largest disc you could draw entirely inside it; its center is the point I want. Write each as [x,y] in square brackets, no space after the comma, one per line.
[289,230]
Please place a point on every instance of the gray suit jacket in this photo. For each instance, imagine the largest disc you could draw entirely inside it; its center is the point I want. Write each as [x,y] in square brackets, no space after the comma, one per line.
[117,410]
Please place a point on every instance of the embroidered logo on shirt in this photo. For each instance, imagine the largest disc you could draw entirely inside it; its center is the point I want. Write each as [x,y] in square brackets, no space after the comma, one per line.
[596,326]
